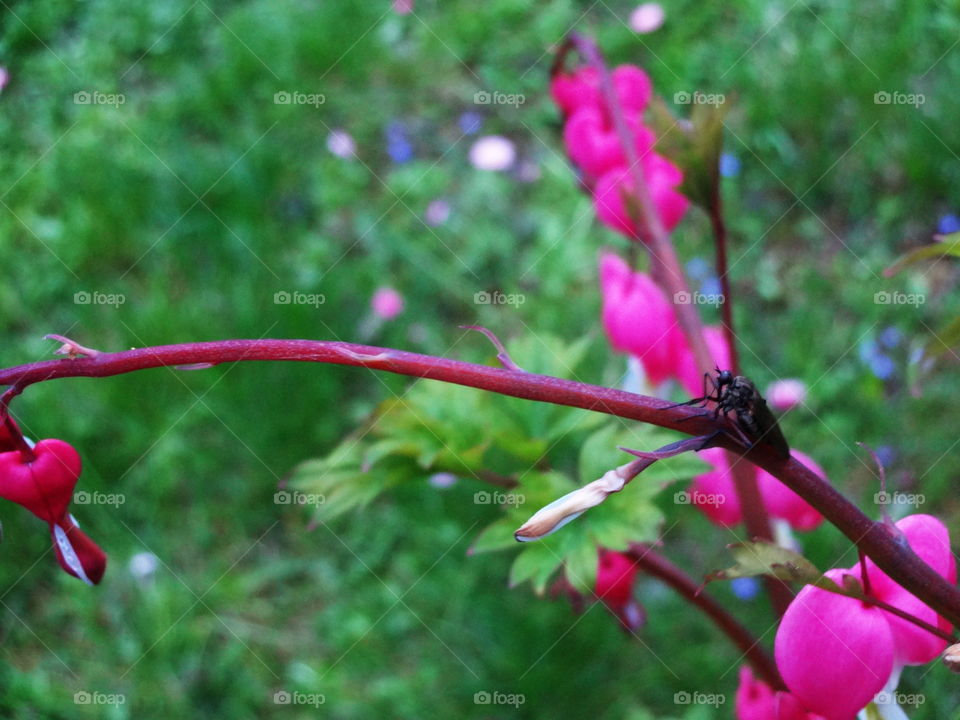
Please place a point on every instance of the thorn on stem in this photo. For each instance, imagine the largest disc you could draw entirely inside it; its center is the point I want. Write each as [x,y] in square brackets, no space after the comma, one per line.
[70,348]
[503,356]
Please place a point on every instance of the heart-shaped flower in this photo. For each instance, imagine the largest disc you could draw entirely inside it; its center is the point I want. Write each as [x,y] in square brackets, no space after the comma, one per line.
[44,485]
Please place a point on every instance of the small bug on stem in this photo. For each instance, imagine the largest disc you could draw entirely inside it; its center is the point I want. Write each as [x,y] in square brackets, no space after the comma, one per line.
[752,418]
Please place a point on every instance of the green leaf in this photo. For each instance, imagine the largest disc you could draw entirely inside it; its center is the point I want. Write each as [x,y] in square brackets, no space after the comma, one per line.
[766,558]
[536,563]
[949,246]
[496,536]
[945,340]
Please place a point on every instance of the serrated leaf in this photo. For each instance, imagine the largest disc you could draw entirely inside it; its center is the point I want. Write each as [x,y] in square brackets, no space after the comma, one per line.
[536,563]
[766,558]
[580,565]
[949,246]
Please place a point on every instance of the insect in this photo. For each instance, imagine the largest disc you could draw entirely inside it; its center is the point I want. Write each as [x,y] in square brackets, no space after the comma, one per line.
[738,395]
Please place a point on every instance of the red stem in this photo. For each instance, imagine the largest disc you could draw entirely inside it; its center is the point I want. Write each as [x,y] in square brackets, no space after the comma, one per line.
[891,553]
[661,568]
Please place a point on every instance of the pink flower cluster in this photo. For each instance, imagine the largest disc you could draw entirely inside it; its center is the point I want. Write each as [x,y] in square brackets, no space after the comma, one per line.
[836,653]
[592,142]
[640,320]
[714,493]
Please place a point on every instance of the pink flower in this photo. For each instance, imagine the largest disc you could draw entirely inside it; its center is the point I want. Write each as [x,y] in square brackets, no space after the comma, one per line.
[687,372]
[582,89]
[593,144]
[437,213]
[403,7]
[930,539]
[662,177]
[387,303]
[834,652]
[714,493]
[757,701]
[638,318]
[4,78]
[784,503]
[614,586]
[493,152]
[646,18]
[786,394]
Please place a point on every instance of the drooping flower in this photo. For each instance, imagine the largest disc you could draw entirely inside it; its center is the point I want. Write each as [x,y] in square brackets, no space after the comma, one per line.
[615,575]
[594,146]
[834,652]
[783,503]
[44,485]
[581,88]
[662,178]
[637,317]
[930,539]
[756,700]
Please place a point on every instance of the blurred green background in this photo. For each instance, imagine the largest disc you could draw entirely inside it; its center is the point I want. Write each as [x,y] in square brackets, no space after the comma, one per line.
[199,197]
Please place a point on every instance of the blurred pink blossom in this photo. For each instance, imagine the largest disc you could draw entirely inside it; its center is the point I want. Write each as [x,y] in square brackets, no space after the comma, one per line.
[403,7]
[786,394]
[4,78]
[756,700]
[638,318]
[437,212]
[687,371]
[387,303]
[646,18]
[662,177]
[493,152]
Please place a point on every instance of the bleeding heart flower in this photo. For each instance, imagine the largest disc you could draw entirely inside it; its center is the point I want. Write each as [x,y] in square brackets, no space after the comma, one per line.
[757,701]
[714,492]
[594,145]
[638,317]
[44,486]
[930,539]
[615,576]
[784,503]
[834,652]
[582,89]
[662,177]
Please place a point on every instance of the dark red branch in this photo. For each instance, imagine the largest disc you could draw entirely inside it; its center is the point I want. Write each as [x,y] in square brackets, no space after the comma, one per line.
[890,553]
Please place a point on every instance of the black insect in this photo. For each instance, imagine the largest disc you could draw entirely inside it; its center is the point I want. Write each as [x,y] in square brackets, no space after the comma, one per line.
[738,395]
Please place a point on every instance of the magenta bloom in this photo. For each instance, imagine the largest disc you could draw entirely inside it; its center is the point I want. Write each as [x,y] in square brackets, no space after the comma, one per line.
[784,503]
[714,493]
[387,303]
[582,89]
[638,318]
[929,538]
[662,177]
[615,576]
[757,701]
[593,144]
[834,652]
